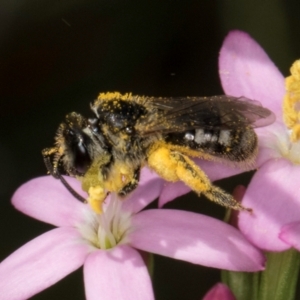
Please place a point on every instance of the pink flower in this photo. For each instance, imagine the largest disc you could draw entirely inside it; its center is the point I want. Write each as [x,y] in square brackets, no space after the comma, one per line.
[219,291]
[274,192]
[108,245]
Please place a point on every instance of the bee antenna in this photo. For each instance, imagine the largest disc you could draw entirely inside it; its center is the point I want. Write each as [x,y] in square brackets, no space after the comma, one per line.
[55,173]
[69,188]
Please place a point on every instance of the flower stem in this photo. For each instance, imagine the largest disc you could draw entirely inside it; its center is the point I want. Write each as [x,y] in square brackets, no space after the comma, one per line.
[279,280]
[244,285]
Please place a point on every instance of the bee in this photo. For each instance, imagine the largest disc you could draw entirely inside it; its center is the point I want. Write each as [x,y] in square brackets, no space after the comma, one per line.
[128,132]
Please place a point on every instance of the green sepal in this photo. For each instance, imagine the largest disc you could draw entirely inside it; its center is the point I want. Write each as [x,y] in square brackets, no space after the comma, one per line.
[279,280]
[244,285]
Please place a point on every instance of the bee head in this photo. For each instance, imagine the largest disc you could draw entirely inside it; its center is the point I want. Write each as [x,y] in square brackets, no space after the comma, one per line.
[74,142]
[78,142]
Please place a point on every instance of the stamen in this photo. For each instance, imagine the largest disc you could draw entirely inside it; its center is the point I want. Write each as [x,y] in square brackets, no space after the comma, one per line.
[106,230]
[106,238]
[115,219]
[291,103]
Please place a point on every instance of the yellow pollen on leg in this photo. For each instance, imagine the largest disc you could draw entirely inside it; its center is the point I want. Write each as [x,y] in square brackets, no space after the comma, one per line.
[96,198]
[291,102]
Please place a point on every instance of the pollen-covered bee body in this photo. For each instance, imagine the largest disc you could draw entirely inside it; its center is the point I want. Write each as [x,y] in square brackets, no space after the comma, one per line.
[238,147]
[117,119]
[128,132]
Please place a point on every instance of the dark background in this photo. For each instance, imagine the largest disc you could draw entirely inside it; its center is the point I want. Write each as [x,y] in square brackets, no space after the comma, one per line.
[56,56]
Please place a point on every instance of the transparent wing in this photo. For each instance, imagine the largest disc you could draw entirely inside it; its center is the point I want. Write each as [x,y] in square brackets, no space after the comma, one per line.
[216,112]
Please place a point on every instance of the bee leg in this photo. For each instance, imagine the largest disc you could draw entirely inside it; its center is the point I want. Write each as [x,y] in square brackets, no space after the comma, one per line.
[174,166]
[47,153]
[131,185]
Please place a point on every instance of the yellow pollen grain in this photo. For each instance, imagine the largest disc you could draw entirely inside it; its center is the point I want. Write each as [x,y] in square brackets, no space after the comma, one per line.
[291,102]
[96,198]
[114,95]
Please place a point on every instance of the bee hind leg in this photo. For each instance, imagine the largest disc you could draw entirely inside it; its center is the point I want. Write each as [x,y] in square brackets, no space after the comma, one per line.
[173,166]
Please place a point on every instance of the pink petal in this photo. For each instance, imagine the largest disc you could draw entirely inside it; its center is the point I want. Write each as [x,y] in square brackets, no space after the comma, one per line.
[148,190]
[41,262]
[118,273]
[290,234]
[246,70]
[46,199]
[219,291]
[273,194]
[214,170]
[171,191]
[194,238]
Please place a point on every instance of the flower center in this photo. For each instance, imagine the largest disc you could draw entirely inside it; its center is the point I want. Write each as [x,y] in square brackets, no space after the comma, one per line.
[106,230]
[288,149]
[291,103]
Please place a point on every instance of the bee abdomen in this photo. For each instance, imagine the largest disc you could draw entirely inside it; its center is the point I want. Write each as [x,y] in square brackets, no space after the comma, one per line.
[235,145]
[210,136]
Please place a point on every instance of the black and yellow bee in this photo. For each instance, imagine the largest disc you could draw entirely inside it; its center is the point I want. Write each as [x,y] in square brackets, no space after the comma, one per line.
[129,132]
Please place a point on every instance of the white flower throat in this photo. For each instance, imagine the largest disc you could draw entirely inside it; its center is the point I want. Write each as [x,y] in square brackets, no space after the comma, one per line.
[108,229]
[287,148]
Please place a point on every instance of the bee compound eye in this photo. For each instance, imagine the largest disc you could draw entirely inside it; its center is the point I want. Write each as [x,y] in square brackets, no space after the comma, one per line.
[81,157]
